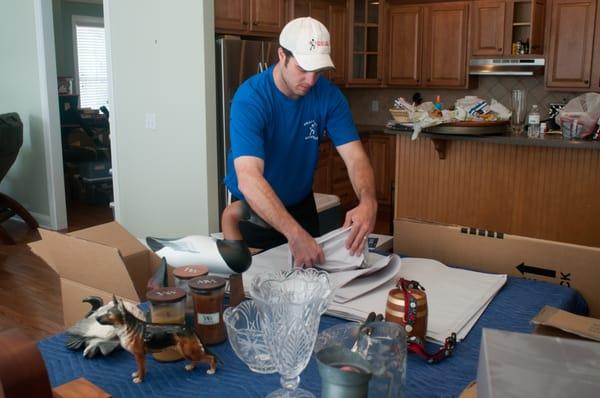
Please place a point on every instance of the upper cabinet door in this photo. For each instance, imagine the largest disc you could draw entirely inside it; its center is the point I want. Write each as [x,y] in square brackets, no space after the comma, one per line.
[488,21]
[445,45]
[267,16]
[405,32]
[338,31]
[230,16]
[365,66]
[571,42]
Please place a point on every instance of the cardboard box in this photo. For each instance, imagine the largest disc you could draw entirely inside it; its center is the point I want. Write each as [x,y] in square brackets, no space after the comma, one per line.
[560,263]
[79,388]
[99,261]
[552,321]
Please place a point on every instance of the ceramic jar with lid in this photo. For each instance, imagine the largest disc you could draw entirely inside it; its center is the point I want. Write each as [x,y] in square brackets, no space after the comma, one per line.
[167,305]
[208,293]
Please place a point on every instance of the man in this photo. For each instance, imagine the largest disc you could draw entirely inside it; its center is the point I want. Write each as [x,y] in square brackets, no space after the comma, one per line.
[278,118]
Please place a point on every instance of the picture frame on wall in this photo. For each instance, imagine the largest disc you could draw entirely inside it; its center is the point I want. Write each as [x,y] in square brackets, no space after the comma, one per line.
[65,85]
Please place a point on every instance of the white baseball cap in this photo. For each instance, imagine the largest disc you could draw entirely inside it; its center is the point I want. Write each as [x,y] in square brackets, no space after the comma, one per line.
[308,40]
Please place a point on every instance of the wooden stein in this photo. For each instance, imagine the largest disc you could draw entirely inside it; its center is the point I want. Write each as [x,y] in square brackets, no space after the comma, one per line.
[407,306]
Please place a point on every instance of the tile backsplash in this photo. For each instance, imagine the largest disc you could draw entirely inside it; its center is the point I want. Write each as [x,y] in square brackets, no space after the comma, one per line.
[497,87]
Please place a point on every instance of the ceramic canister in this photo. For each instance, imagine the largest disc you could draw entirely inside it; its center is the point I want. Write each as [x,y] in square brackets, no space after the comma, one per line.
[415,323]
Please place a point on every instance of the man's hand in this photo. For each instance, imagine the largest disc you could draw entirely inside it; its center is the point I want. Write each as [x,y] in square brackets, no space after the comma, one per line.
[305,250]
[362,219]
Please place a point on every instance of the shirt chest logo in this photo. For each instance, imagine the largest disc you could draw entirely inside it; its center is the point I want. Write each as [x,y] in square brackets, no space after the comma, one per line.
[312,130]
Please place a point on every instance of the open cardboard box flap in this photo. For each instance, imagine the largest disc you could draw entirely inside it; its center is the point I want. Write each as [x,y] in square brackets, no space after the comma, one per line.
[556,262]
[553,321]
[101,260]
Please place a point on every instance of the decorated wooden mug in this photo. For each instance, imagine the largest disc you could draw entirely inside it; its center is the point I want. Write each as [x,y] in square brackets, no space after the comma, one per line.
[407,306]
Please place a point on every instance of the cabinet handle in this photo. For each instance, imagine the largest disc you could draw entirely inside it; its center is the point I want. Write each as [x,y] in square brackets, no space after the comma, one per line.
[586,81]
[500,50]
[254,23]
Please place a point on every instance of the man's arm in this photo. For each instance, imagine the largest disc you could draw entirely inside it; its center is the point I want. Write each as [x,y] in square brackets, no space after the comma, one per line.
[362,217]
[263,200]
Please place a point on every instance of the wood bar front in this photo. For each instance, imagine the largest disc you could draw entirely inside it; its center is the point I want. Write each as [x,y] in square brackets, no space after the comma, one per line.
[529,190]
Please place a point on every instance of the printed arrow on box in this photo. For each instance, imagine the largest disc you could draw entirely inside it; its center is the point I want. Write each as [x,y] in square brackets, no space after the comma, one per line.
[523,269]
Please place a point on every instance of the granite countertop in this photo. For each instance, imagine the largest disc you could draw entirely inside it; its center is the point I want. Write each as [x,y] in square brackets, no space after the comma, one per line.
[549,140]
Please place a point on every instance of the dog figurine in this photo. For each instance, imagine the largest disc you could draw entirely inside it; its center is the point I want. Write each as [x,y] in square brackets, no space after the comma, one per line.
[139,337]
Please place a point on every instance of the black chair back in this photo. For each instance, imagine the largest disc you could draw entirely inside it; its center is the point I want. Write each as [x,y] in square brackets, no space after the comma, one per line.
[11,140]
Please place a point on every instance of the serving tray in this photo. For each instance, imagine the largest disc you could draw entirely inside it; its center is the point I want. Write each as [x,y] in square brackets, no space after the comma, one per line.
[471,128]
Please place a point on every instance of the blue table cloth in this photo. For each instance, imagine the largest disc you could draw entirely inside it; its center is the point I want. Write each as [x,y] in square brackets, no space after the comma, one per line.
[512,309]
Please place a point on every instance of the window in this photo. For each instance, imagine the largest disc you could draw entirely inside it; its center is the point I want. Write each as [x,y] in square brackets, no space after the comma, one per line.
[90,61]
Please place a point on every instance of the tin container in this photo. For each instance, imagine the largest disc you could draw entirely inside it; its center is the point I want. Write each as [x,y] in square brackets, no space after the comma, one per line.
[167,305]
[208,293]
[182,276]
[415,324]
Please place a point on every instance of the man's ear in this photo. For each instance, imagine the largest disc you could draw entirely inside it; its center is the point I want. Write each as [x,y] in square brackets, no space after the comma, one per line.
[281,55]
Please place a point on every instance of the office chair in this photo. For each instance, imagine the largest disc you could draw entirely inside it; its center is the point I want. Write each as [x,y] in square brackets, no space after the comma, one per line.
[11,139]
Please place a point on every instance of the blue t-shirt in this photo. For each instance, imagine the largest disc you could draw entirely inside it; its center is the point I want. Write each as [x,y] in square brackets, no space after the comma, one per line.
[285,132]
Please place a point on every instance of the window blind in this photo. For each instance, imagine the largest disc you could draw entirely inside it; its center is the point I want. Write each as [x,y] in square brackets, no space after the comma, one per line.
[91,62]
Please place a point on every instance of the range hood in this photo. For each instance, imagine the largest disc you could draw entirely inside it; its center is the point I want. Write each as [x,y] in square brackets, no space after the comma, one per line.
[506,66]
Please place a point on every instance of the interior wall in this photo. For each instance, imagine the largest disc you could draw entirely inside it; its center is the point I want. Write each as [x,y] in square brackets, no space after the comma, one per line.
[21,91]
[162,68]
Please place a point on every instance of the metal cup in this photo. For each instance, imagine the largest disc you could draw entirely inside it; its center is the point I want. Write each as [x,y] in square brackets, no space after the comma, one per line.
[344,373]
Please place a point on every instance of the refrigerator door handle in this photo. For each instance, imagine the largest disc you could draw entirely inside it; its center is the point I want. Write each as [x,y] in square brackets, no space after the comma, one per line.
[260,67]
[266,66]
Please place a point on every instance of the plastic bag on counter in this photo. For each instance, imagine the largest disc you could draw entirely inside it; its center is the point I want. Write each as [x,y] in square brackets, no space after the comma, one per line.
[580,115]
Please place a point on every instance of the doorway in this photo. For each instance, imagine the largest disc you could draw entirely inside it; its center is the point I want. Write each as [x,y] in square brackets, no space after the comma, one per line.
[83,109]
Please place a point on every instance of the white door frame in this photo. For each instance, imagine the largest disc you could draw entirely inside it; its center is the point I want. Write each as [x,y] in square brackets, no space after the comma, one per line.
[44,28]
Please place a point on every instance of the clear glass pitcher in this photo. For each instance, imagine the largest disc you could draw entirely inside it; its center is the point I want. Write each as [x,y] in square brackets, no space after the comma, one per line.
[290,304]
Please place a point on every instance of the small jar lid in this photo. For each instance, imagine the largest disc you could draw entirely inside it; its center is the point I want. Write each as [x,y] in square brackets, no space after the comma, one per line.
[166,295]
[207,282]
[190,271]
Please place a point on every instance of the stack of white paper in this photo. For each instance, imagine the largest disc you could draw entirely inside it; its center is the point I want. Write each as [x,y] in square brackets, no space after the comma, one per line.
[276,259]
[456,298]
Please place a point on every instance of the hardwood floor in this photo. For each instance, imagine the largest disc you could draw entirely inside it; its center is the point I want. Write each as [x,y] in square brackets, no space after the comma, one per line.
[29,289]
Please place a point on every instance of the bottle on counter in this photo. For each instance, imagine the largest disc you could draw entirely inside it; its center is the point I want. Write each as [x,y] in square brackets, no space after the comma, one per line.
[438,103]
[533,122]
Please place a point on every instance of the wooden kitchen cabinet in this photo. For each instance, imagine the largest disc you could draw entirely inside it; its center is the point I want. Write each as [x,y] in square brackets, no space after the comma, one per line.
[427,45]
[570,47]
[332,14]
[445,45]
[380,148]
[365,67]
[405,37]
[488,21]
[331,175]
[251,17]
[496,25]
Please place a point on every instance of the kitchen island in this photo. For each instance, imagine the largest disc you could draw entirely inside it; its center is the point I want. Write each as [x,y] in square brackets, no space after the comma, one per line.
[545,188]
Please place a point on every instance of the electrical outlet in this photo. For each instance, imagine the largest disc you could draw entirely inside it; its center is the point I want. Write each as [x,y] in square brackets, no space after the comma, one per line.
[151,121]
[374,106]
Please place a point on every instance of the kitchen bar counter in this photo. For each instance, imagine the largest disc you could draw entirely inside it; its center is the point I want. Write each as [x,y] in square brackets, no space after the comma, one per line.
[542,188]
[549,140]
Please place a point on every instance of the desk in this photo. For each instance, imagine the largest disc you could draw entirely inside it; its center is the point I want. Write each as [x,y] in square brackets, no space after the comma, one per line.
[516,303]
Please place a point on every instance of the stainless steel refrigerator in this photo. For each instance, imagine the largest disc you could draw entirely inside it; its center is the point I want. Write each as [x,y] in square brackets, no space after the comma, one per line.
[237,60]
